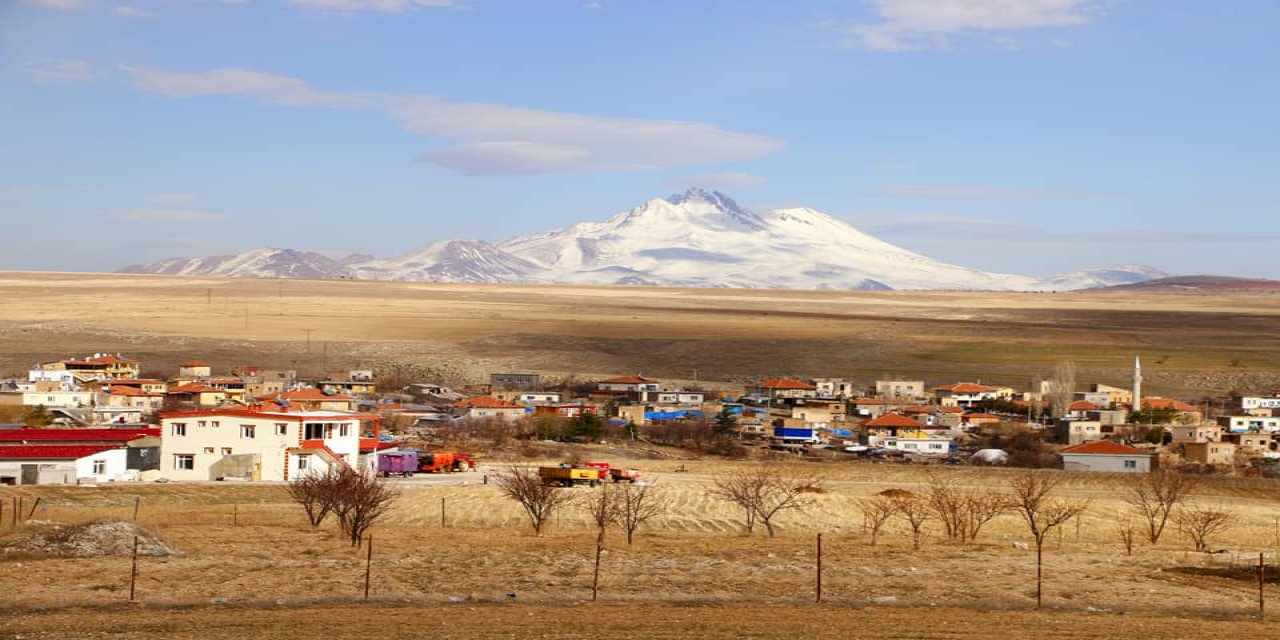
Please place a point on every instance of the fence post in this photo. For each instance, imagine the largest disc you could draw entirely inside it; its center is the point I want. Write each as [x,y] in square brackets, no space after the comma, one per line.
[133,573]
[137,502]
[442,520]
[368,567]
[1262,569]
[595,576]
[818,595]
[235,514]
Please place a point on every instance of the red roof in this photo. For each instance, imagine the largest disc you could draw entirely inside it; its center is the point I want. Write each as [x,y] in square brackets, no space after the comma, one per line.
[950,410]
[369,444]
[485,402]
[194,363]
[893,420]
[965,387]
[52,451]
[135,381]
[918,409]
[1083,405]
[75,435]
[628,380]
[1105,447]
[980,416]
[785,383]
[194,387]
[1167,403]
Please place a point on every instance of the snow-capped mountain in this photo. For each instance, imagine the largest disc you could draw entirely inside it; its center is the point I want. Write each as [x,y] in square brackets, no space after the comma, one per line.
[698,238]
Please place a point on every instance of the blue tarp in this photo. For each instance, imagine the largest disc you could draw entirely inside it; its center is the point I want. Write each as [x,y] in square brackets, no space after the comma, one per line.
[672,415]
[842,433]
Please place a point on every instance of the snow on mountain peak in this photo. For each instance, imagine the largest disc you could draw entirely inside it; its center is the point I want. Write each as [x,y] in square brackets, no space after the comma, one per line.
[698,238]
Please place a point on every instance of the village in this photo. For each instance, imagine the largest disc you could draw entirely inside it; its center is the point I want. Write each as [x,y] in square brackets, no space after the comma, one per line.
[96,419]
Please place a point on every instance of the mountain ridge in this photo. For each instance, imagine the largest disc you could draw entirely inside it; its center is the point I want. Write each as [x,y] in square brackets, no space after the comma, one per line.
[698,238]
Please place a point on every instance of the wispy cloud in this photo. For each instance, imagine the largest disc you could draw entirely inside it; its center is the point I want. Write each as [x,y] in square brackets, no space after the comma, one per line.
[133,12]
[912,25]
[592,5]
[385,6]
[960,192]
[57,4]
[1003,232]
[171,198]
[65,72]
[724,180]
[169,215]
[493,139]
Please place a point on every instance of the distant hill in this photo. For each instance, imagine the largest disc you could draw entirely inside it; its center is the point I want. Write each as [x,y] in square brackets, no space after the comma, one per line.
[1198,285]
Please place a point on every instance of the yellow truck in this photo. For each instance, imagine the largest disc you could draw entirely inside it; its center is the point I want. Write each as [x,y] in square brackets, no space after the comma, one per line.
[565,476]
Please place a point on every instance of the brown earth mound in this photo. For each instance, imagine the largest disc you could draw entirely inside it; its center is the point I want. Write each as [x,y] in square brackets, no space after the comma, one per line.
[897,493]
[93,539]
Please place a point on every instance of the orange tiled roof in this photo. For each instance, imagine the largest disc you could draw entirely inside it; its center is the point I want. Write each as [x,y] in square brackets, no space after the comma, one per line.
[893,420]
[1167,403]
[1083,405]
[785,383]
[965,387]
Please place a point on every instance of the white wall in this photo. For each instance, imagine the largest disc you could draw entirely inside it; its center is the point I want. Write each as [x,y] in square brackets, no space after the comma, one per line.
[115,466]
[1105,462]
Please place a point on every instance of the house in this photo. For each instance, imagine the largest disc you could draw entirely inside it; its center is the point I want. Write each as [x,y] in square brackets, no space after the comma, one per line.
[1108,456]
[353,382]
[516,381]
[820,413]
[1183,413]
[62,399]
[572,410]
[629,384]
[483,407]
[1073,432]
[1254,443]
[130,398]
[194,370]
[971,420]
[967,394]
[895,425]
[311,399]
[1114,395]
[99,366]
[874,407]
[834,388]
[900,389]
[62,464]
[932,445]
[673,396]
[27,436]
[784,388]
[145,385]
[1108,417]
[1079,410]
[256,444]
[198,394]
[1240,424]
[1196,433]
[1255,405]
[1213,453]
[517,396]
[427,393]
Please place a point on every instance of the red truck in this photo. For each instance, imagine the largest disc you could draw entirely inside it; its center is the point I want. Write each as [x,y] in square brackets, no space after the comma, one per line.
[616,474]
[445,462]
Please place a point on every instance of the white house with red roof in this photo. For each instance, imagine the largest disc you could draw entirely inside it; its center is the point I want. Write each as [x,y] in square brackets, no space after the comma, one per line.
[967,394]
[629,384]
[487,407]
[257,443]
[1106,456]
[311,399]
[896,431]
[785,388]
[67,456]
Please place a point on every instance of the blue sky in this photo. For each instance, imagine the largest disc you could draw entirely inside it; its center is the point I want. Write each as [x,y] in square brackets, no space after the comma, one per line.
[1027,136]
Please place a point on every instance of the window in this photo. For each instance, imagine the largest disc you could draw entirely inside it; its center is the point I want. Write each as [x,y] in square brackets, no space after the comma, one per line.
[184,461]
[215,424]
[178,429]
[246,431]
[1131,464]
[226,451]
[304,462]
[314,431]
[344,430]
[99,467]
[208,450]
[282,428]
[201,423]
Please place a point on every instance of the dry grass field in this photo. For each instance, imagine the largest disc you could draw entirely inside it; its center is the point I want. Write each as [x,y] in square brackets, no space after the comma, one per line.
[247,565]
[1192,344]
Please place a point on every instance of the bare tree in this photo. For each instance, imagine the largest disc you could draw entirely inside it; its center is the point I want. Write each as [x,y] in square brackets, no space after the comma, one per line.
[603,508]
[962,512]
[1156,495]
[1126,534]
[763,493]
[981,508]
[916,512]
[361,501]
[875,513]
[538,500]
[313,492]
[1198,523]
[1042,513]
[638,505]
[1062,388]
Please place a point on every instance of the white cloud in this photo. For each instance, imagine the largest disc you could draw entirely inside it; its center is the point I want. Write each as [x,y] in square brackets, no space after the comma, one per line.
[386,6]
[65,72]
[57,4]
[723,180]
[958,192]
[592,5]
[169,215]
[910,25]
[494,139]
[171,198]
[133,12]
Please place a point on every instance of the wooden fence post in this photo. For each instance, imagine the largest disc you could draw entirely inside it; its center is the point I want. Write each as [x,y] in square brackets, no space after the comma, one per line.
[1262,570]
[818,595]
[442,520]
[137,502]
[133,573]
[368,567]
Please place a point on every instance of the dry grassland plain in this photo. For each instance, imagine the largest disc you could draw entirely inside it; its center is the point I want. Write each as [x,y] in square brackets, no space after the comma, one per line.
[1192,345]
[248,565]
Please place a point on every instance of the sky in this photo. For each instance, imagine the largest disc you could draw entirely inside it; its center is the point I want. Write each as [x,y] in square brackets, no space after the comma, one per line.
[1022,136]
